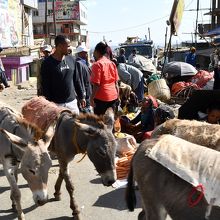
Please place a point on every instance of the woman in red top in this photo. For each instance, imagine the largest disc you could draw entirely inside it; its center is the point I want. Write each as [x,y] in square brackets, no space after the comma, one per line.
[104,79]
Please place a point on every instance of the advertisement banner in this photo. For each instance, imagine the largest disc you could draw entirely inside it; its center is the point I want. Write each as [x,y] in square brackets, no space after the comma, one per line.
[176,15]
[67,10]
[31,3]
[10,23]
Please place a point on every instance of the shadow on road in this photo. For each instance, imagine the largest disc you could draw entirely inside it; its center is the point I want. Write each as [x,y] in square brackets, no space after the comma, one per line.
[5,188]
[96,181]
[115,200]
[12,215]
[60,218]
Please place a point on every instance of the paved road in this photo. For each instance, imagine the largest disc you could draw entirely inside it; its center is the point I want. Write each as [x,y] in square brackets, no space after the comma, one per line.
[95,201]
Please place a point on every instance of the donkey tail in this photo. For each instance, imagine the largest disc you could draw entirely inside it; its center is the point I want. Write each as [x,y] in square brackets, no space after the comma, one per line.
[130,196]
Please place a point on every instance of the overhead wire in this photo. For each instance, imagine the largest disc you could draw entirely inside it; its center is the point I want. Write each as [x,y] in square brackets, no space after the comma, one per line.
[136,26]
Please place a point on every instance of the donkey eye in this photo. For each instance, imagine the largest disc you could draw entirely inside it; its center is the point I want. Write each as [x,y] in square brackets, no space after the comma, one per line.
[32,171]
[101,152]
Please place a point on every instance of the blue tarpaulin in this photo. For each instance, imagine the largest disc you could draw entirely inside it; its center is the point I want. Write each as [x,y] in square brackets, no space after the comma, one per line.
[213,32]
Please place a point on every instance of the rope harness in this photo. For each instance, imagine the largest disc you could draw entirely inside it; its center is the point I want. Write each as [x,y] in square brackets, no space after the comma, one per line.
[78,148]
[75,143]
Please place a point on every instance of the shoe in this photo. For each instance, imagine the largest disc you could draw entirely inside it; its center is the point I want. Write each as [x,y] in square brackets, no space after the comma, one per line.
[7,86]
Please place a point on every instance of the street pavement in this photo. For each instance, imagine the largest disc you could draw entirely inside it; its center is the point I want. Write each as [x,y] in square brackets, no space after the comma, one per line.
[95,201]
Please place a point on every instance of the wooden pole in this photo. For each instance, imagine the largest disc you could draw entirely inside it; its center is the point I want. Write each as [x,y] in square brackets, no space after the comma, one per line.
[197,16]
[165,43]
[213,16]
[54,19]
[46,25]
[149,34]
[168,50]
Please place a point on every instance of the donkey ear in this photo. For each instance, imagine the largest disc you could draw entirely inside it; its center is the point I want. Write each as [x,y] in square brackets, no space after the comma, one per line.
[109,118]
[88,129]
[48,135]
[17,141]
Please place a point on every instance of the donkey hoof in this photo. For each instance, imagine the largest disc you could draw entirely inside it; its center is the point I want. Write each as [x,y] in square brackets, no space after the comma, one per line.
[57,197]
[21,217]
[13,208]
[76,217]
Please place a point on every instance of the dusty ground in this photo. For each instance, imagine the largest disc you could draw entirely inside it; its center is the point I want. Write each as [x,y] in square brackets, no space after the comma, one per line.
[94,200]
[16,96]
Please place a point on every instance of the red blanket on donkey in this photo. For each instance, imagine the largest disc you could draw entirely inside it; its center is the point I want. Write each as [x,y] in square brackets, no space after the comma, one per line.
[41,112]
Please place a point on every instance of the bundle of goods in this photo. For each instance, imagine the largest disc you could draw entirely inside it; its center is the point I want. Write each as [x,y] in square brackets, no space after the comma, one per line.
[159,89]
[123,164]
[176,71]
[125,151]
[41,112]
[202,78]
[183,89]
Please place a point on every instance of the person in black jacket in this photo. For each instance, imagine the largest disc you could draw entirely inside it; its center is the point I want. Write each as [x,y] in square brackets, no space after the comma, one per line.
[84,73]
[60,79]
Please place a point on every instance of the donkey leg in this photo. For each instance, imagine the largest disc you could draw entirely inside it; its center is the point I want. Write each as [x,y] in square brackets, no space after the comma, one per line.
[70,189]
[15,192]
[57,193]
[11,197]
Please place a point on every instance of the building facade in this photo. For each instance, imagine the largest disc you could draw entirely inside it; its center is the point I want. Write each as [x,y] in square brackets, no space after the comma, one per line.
[55,17]
[16,23]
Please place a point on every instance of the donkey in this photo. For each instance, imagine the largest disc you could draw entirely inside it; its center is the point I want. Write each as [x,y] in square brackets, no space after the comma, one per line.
[164,192]
[26,145]
[197,132]
[84,134]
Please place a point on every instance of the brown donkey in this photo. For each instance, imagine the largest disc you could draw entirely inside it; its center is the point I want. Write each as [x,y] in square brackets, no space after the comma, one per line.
[22,143]
[74,134]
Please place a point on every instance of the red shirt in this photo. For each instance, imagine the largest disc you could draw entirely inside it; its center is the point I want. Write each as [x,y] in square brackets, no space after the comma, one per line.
[105,74]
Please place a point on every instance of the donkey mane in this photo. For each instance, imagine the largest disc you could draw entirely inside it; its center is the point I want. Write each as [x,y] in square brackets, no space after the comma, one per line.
[18,118]
[31,128]
[92,120]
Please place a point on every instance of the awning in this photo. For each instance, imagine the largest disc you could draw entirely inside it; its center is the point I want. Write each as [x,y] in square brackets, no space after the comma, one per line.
[212,33]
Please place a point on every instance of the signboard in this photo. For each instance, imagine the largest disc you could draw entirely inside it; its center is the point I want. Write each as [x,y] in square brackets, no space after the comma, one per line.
[10,23]
[67,10]
[176,15]
[31,3]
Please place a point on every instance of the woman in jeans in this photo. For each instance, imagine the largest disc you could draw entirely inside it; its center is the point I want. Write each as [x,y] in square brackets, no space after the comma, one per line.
[104,79]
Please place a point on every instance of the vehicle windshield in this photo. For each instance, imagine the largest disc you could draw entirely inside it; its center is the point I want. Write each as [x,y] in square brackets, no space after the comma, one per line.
[144,50]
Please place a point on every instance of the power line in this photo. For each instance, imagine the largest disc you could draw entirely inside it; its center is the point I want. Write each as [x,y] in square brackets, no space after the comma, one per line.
[128,28]
[134,27]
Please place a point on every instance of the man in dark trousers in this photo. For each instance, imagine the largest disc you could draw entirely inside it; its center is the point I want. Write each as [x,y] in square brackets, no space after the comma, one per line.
[60,79]
[84,72]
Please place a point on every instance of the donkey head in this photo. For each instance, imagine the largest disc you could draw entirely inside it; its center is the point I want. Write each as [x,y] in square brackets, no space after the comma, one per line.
[35,163]
[101,148]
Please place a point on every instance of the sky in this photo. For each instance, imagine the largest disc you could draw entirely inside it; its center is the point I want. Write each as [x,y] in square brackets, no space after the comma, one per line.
[114,20]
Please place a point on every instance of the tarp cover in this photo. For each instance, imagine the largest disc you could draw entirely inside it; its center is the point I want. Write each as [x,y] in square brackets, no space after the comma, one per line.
[177,68]
[193,163]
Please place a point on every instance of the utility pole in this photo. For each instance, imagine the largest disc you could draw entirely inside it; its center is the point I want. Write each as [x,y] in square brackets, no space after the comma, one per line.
[54,19]
[212,15]
[218,17]
[197,15]
[165,43]
[149,34]
[46,25]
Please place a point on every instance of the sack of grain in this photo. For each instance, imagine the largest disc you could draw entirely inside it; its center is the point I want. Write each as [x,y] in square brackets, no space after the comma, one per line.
[159,89]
